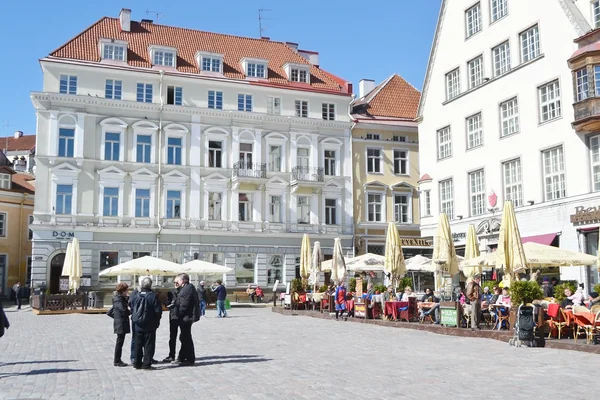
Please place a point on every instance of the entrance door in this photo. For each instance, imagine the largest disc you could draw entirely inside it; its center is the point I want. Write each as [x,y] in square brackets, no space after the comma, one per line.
[56,266]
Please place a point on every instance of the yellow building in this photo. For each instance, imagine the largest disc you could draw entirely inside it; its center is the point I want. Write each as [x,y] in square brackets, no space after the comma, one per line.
[386,166]
[16,213]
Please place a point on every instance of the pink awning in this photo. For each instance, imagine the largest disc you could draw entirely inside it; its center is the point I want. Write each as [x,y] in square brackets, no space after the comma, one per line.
[546,239]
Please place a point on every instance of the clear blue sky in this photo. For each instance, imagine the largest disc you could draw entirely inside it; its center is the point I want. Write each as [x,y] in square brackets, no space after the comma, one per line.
[355,39]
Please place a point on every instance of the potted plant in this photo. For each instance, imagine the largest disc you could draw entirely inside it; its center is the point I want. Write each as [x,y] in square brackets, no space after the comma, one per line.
[525,292]
[559,290]
[323,289]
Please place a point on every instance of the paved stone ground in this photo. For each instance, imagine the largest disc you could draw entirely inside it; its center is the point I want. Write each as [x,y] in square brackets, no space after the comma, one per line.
[257,354]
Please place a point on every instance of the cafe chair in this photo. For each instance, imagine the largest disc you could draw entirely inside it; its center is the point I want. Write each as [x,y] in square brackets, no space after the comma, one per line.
[502,315]
[560,323]
[584,326]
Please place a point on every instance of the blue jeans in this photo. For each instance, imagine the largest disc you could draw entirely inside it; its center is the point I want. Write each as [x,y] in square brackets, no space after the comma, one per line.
[221,308]
[202,308]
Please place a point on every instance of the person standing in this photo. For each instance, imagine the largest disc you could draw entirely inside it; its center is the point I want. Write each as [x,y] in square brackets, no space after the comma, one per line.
[173,322]
[145,314]
[474,296]
[202,298]
[3,320]
[120,321]
[340,301]
[221,293]
[17,290]
[547,288]
[187,308]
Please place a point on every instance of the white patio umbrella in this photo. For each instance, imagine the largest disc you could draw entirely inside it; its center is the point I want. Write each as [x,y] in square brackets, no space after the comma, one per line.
[199,267]
[305,257]
[72,265]
[420,263]
[364,263]
[146,265]
[317,260]
[338,266]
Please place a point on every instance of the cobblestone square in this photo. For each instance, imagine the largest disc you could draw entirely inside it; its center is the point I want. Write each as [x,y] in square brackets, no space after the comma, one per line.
[257,354]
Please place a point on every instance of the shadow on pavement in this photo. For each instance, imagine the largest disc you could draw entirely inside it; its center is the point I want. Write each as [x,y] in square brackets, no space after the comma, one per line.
[225,357]
[4,364]
[41,372]
[231,361]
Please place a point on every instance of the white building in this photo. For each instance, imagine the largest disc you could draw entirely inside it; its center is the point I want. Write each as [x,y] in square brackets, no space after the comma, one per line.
[495,124]
[153,138]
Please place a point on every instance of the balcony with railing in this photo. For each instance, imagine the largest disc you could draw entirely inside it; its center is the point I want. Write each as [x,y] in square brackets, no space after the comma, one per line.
[308,175]
[247,171]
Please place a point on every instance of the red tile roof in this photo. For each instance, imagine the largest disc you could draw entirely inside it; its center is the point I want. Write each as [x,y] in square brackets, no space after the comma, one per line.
[188,42]
[394,98]
[23,183]
[23,143]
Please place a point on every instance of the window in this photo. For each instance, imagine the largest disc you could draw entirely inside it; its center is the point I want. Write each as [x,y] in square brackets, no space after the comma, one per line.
[165,58]
[246,155]
[66,142]
[173,204]
[275,209]
[244,268]
[174,148]
[302,159]
[302,108]
[530,44]
[554,173]
[596,13]
[452,84]
[501,56]
[374,161]
[597,79]
[215,154]
[30,220]
[68,84]
[112,144]
[330,212]
[499,9]
[5,181]
[275,270]
[111,202]
[113,52]
[447,198]
[550,107]
[297,269]
[215,99]
[113,89]
[373,136]
[595,160]
[2,224]
[273,105]
[581,76]
[477,192]
[64,197]
[256,70]
[303,210]
[513,182]
[374,207]
[328,111]
[108,259]
[144,93]
[329,158]
[400,162]
[444,139]
[143,148]
[275,158]
[211,64]
[245,208]
[509,117]
[215,205]
[140,254]
[299,75]
[475,68]
[398,138]
[427,201]
[244,102]
[401,209]
[473,20]
[174,95]
[474,131]
[216,258]
[142,203]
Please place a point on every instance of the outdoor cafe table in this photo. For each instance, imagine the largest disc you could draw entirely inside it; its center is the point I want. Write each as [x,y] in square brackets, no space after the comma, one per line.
[391,307]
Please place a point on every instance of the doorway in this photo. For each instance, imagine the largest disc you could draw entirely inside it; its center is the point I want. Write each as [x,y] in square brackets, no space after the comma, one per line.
[56,265]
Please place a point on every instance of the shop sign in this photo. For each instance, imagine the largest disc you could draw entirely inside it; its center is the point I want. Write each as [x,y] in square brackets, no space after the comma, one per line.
[62,235]
[416,242]
[585,215]
[457,237]
[449,316]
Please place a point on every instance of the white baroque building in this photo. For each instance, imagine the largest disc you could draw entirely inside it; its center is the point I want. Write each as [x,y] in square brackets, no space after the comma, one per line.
[160,140]
[495,124]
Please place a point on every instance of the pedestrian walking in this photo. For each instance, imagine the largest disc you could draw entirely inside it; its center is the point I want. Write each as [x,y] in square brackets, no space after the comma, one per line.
[340,301]
[3,321]
[221,293]
[145,314]
[474,296]
[187,308]
[173,323]
[202,298]
[17,289]
[120,321]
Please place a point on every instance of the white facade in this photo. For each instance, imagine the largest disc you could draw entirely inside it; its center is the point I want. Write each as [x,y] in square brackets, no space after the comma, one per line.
[495,121]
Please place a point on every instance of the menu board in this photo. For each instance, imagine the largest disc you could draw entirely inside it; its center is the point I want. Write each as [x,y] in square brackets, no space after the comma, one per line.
[359,287]
[449,316]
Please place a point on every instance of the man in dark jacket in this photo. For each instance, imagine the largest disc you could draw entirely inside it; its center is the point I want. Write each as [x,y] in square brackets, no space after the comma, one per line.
[221,293]
[3,321]
[173,321]
[202,298]
[145,315]
[17,289]
[187,308]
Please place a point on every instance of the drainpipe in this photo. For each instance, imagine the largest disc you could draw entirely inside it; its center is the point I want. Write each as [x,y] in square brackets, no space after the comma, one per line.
[25,195]
[352,171]
[160,178]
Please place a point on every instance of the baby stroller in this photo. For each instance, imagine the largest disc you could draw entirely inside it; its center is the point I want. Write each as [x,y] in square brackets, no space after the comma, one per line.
[524,327]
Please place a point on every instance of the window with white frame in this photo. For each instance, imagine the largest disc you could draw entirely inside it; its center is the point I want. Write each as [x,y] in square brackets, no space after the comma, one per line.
[64,199]
[375,207]
[374,160]
[112,51]
[581,78]
[501,57]
[273,105]
[303,209]
[447,198]
[246,155]
[513,181]
[211,64]
[173,204]
[444,142]
[597,79]
[509,117]
[142,203]
[474,131]
[550,104]
[303,159]
[215,154]
[477,192]
[275,158]
[112,145]
[530,44]
[175,95]
[164,58]
[400,162]
[329,159]
[452,84]
[427,201]
[473,20]
[143,148]
[554,173]
[244,208]
[113,89]
[245,264]
[216,258]
[330,212]
[275,209]
[595,162]
[215,99]
[5,181]
[302,108]
[596,14]
[499,9]
[256,70]
[215,205]
[68,84]
[328,111]
[66,142]
[399,138]
[2,224]
[144,93]
[174,149]
[373,136]
[30,220]
[244,102]
[475,68]
[402,209]
[275,270]
[111,202]
[299,75]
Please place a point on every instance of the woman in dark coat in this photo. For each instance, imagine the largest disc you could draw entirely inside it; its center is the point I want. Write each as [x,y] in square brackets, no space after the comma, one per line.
[121,321]
[3,321]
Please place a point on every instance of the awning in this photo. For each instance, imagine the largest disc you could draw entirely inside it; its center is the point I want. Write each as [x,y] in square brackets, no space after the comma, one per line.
[546,239]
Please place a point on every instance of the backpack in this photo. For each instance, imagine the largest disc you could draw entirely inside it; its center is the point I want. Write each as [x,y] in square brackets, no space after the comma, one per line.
[139,314]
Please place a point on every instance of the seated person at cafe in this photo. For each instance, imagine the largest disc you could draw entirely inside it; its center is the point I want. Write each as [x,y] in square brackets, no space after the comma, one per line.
[493,298]
[251,293]
[486,296]
[407,293]
[388,295]
[259,294]
[429,297]
[572,299]
[504,299]
[594,299]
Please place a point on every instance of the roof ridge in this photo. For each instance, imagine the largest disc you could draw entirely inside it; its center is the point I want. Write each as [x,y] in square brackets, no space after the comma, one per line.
[407,82]
[77,36]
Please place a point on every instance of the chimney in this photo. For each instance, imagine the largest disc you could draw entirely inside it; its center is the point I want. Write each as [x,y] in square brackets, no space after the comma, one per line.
[365,86]
[18,134]
[125,19]
[311,56]
[292,45]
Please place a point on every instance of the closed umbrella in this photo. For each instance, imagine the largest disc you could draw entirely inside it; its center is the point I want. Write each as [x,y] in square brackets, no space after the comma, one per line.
[444,254]
[76,270]
[317,260]
[338,265]
[472,251]
[305,257]
[510,255]
[394,258]
[66,269]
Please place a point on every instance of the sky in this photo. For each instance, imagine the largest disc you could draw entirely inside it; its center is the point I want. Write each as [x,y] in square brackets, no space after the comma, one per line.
[354,39]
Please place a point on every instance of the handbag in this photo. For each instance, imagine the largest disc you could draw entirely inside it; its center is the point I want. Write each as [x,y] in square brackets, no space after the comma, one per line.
[111,312]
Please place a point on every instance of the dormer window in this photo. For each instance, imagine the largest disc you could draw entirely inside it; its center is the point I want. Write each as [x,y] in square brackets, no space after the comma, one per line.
[210,62]
[163,56]
[5,181]
[111,49]
[297,72]
[255,68]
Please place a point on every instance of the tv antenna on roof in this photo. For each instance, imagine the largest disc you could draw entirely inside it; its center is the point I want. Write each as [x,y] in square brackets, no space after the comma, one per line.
[262,28]
[158,14]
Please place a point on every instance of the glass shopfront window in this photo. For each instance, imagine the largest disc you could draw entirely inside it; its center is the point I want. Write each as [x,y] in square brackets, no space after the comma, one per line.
[245,264]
